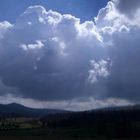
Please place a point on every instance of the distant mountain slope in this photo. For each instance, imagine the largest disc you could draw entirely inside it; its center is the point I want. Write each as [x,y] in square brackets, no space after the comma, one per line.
[17,110]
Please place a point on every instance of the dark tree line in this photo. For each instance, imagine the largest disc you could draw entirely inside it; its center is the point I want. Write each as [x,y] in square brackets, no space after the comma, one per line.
[104,123]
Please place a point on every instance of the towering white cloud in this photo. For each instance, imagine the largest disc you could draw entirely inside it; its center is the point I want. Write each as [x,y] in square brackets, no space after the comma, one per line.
[46,55]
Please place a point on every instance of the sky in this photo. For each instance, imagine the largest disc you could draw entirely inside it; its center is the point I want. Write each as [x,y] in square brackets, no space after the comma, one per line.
[73,55]
[83,9]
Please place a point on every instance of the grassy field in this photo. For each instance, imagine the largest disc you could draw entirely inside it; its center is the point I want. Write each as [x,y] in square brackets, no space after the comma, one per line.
[42,138]
[41,134]
[52,138]
[19,123]
[48,134]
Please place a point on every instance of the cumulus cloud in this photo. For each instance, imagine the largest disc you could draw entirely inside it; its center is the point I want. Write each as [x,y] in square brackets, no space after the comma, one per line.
[99,69]
[45,55]
[36,46]
[54,58]
[3,27]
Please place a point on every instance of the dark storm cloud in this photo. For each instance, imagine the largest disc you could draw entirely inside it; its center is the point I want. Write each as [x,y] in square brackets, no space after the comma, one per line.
[128,7]
[124,79]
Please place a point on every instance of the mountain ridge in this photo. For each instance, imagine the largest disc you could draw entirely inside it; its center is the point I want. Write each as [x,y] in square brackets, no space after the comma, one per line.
[18,110]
